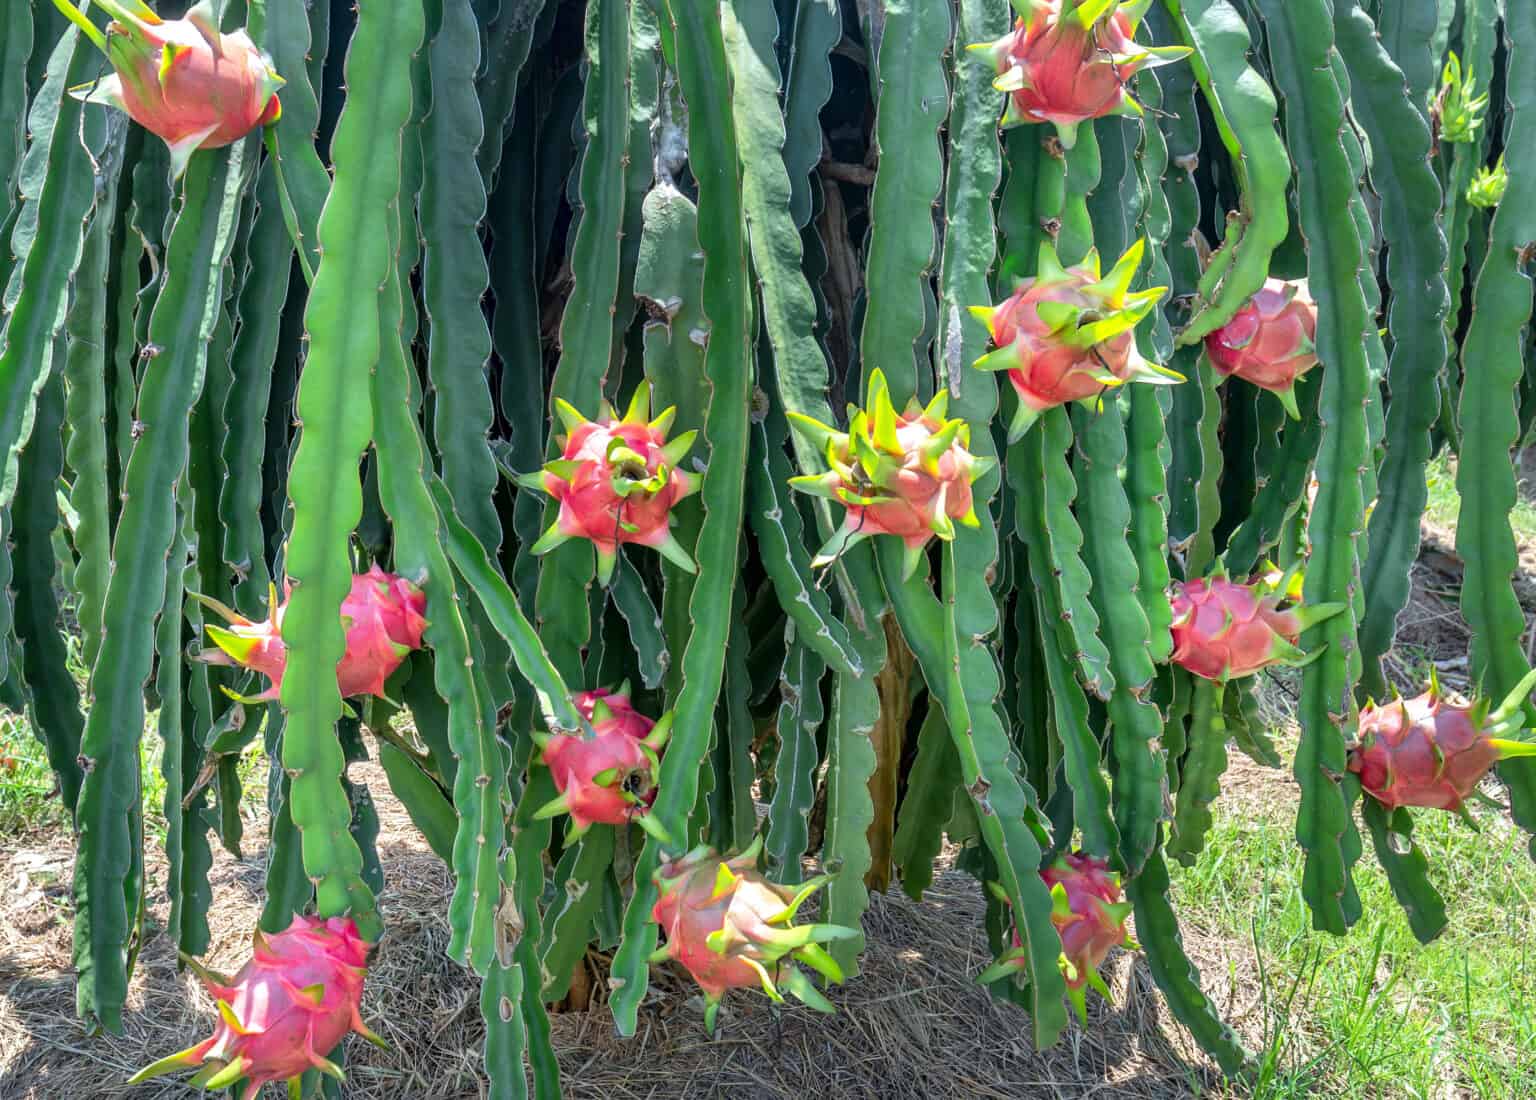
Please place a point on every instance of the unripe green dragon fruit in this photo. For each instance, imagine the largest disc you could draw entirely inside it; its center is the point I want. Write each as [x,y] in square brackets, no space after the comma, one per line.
[730,928]
[1430,752]
[181,79]
[1270,343]
[283,1013]
[609,778]
[1068,333]
[1069,61]
[616,481]
[1223,630]
[1089,914]
[384,615]
[906,474]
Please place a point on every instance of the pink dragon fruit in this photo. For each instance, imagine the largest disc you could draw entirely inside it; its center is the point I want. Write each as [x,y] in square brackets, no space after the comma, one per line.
[616,481]
[906,474]
[181,79]
[609,778]
[1069,333]
[384,616]
[1223,630]
[1069,61]
[1090,917]
[730,929]
[1270,341]
[1429,752]
[284,1012]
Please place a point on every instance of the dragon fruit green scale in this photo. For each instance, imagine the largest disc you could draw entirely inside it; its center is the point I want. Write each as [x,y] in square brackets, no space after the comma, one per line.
[181,79]
[284,1012]
[1069,61]
[906,474]
[1069,333]
[731,928]
[1429,752]
[617,481]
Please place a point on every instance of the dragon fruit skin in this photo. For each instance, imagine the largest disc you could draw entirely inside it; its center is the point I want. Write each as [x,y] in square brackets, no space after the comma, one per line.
[1069,333]
[730,928]
[1429,752]
[1223,630]
[385,618]
[609,778]
[288,1007]
[1270,343]
[904,474]
[181,79]
[617,481]
[1089,913]
[1068,61]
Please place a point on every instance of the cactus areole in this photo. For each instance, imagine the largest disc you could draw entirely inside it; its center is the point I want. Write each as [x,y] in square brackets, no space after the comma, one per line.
[1069,333]
[384,615]
[731,928]
[616,481]
[181,79]
[1428,751]
[1223,630]
[1270,343]
[1068,61]
[1089,913]
[284,1012]
[610,777]
[906,474]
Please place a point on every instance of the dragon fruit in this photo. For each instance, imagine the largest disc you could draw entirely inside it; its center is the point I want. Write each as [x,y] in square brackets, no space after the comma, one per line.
[384,616]
[284,1012]
[616,481]
[1270,341]
[730,929]
[906,474]
[1223,630]
[181,79]
[609,778]
[1069,61]
[1068,333]
[1427,751]
[1089,915]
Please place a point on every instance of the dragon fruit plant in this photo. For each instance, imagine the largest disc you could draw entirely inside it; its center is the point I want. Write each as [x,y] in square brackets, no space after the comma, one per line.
[1431,752]
[907,474]
[610,777]
[1069,333]
[181,79]
[731,928]
[1224,630]
[284,1011]
[1270,343]
[384,615]
[1089,913]
[617,481]
[1069,61]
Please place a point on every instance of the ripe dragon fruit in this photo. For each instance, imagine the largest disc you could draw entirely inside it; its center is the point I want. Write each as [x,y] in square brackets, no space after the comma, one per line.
[1223,630]
[906,474]
[616,481]
[1270,341]
[181,79]
[609,778]
[1068,333]
[384,616]
[1089,915]
[1429,752]
[284,1012]
[1069,61]
[730,929]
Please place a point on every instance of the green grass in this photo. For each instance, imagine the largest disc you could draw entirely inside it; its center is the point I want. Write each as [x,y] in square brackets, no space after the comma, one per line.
[1375,1014]
[1444,503]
